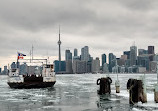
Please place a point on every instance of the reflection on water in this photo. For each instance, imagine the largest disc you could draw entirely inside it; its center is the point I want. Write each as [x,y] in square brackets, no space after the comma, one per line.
[71,93]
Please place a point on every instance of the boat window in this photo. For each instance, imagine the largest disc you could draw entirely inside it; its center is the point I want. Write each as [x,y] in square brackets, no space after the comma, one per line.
[48,66]
[13,70]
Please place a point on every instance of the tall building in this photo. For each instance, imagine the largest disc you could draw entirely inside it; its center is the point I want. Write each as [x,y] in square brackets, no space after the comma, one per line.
[142,51]
[103,60]
[56,66]
[127,53]
[23,69]
[13,65]
[69,66]
[112,61]
[85,53]
[75,52]
[151,50]
[79,67]
[68,55]
[133,55]
[96,65]
[59,43]
[5,70]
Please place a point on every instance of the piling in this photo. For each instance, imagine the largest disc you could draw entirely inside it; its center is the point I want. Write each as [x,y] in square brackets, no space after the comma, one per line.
[105,85]
[156,88]
[156,93]
[117,85]
[136,91]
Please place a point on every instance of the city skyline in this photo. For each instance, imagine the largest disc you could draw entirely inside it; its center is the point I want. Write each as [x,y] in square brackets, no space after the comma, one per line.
[83,23]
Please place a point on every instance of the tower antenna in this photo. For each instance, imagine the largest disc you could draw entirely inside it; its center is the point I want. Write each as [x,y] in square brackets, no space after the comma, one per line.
[59,43]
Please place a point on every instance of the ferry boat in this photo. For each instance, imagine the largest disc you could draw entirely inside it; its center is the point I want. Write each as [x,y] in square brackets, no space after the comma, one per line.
[44,80]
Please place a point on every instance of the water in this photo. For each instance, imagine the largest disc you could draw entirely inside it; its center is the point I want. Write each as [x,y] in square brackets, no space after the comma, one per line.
[75,93]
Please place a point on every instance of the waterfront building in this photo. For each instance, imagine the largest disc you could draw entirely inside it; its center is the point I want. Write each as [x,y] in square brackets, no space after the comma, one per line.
[13,65]
[142,51]
[5,70]
[68,61]
[68,55]
[56,66]
[143,61]
[153,66]
[69,67]
[23,69]
[75,52]
[141,69]
[103,60]
[127,53]
[105,68]
[112,61]
[79,67]
[122,69]
[96,65]
[133,55]
[151,50]
[85,53]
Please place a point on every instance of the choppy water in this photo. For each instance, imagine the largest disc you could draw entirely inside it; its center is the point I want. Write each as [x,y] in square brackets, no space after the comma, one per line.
[74,93]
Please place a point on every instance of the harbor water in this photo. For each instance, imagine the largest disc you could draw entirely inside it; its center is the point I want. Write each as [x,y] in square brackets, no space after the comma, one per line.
[75,92]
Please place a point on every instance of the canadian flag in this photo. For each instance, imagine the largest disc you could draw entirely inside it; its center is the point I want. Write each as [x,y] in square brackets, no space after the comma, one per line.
[20,55]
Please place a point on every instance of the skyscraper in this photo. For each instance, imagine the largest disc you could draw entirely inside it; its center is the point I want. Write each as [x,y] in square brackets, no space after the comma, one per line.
[96,65]
[68,60]
[85,53]
[133,55]
[151,50]
[13,65]
[59,43]
[75,52]
[68,55]
[112,61]
[142,51]
[103,59]
[127,53]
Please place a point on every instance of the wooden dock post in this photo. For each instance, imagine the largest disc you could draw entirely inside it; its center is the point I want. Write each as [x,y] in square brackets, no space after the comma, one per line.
[105,85]
[117,85]
[136,91]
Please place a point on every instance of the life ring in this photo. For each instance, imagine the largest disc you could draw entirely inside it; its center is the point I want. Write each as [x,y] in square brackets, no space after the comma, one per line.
[98,81]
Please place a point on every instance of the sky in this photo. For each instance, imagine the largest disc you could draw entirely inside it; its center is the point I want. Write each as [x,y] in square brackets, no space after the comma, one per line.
[104,25]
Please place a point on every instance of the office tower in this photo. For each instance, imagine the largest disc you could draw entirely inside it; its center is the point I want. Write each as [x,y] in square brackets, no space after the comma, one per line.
[69,66]
[85,53]
[56,66]
[143,61]
[112,61]
[142,51]
[127,53]
[13,65]
[59,43]
[5,70]
[68,55]
[105,68]
[103,59]
[133,55]
[68,61]
[23,69]
[151,50]
[96,65]
[79,67]
[75,52]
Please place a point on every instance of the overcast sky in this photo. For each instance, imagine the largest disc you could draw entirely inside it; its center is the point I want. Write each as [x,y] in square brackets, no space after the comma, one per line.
[103,25]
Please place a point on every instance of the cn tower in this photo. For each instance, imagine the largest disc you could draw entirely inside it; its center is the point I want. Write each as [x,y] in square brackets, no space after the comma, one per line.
[59,43]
